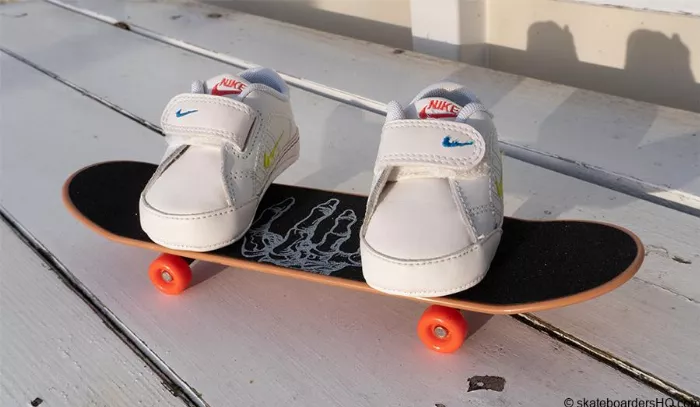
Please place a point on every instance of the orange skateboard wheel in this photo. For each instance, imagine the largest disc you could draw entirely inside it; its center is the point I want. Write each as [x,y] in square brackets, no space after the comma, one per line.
[170,274]
[442,329]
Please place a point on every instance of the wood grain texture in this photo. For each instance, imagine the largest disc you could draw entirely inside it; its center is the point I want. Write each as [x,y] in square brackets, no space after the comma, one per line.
[55,349]
[641,148]
[338,149]
[253,338]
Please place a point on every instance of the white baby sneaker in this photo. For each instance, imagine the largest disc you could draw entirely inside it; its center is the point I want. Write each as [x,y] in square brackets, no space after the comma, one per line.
[227,142]
[435,208]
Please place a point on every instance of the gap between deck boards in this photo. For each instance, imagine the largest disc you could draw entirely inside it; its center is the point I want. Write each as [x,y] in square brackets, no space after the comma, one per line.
[181,389]
[627,184]
[620,365]
[170,380]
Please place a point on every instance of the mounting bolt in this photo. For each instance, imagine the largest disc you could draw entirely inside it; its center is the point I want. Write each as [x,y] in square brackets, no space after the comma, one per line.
[166,276]
[440,332]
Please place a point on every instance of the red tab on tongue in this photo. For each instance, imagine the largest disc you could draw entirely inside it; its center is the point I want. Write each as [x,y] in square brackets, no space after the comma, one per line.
[435,108]
[224,85]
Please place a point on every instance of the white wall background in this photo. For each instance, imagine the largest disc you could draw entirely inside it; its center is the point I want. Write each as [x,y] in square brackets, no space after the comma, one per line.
[646,50]
[672,6]
[644,55]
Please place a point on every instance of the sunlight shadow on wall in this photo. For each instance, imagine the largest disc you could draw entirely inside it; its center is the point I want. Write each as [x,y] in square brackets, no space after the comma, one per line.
[657,67]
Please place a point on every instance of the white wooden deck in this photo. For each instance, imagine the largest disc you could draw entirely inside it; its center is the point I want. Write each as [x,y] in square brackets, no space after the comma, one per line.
[75,90]
[648,151]
[55,350]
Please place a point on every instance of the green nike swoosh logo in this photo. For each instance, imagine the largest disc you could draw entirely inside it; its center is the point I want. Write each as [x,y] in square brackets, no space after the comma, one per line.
[269,158]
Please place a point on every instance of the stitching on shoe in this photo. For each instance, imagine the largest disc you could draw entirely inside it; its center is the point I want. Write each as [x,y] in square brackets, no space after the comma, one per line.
[464,213]
[462,287]
[206,247]
[463,129]
[433,125]
[216,101]
[413,263]
[161,215]
[435,158]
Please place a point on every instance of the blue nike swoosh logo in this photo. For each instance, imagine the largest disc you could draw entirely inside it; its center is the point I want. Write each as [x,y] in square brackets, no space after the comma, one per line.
[180,113]
[448,142]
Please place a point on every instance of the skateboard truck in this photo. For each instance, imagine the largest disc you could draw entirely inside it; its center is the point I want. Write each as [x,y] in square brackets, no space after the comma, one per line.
[440,328]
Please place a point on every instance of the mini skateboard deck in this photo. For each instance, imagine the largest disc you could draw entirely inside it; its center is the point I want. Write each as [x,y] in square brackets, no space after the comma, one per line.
[314,235]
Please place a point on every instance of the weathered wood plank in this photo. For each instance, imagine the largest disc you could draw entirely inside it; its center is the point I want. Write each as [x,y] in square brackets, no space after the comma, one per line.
[339,155]
[646,150]
[55,351]
[249,337]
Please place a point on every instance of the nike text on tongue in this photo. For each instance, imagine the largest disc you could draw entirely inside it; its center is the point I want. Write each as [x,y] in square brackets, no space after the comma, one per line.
[228,86]
[438,108]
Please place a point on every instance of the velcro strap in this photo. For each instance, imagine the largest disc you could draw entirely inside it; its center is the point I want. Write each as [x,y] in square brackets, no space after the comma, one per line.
[211,117]
[449,145]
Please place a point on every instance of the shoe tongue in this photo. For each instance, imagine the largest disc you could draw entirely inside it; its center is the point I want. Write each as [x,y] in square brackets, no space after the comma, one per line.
[433,108]
[226,85]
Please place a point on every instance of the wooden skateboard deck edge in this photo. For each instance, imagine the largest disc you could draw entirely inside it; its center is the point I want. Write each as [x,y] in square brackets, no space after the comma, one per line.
[507,309]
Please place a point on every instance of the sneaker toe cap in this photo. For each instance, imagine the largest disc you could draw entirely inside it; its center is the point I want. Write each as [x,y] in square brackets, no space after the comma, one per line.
[200,231]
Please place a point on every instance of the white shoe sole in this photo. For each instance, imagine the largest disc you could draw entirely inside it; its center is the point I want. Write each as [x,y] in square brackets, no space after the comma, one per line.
[427,278]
